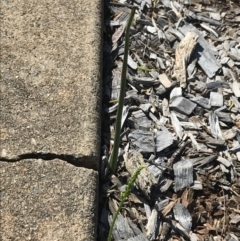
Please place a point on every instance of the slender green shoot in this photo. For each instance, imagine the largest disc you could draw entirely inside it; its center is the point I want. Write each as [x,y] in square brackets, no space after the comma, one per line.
[114,155]
[113,101]
[145,68]
[124,196]
[231,105]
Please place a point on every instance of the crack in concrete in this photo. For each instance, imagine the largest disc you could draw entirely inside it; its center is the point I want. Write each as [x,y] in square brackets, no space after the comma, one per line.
[80,161]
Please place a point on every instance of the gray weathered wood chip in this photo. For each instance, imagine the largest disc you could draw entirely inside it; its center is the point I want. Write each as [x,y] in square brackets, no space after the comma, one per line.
[178,228]
[200,100]
[131,63]
[183,172]
[203,18]
[236,88]
[152,224]
[216,99]
[165,107]
[224,161]
[203,160]
[141,121]
[214,125]
[143,140]
[121,229]
[216,84]
[139,236]
[145,80]
[176,92]
[209,29]
[182,105]
[182,215]
[206,60]
[224,116]
[214,142]
[176,125]
[164,139]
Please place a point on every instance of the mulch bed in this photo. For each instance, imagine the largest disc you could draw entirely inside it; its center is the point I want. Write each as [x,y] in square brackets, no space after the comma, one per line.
[181,119]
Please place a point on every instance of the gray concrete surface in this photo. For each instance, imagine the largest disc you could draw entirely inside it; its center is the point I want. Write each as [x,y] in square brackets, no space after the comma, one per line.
[50,94]
[47,201]
[50,68]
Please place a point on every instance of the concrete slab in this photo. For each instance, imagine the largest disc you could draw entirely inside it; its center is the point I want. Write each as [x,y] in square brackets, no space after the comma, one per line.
[47,201]
[50,70]
[50,109]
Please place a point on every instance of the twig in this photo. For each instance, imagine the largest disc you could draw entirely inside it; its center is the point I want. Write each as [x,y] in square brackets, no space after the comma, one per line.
[178,152]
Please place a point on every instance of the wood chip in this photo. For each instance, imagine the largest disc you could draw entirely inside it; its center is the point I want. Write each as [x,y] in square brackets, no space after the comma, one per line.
[183,172]
[216,99]
[182,105]
[183,54]
[183,216]
[152,224]
[165,81]
[206,60]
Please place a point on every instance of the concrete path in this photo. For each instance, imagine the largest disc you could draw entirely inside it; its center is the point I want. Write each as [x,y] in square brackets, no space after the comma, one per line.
[50,119]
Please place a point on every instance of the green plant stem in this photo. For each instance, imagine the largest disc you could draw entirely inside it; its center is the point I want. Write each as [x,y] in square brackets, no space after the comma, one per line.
[113,101]
[145,68]
[114,155]
[124,196]
[114,220]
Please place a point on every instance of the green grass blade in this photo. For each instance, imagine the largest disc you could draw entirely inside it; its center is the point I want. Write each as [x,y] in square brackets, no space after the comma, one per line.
[114,155]
[124,196]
